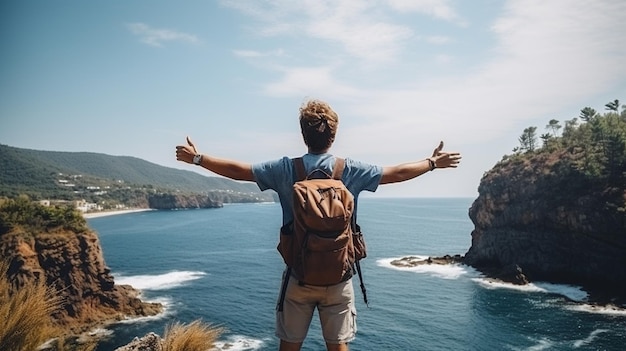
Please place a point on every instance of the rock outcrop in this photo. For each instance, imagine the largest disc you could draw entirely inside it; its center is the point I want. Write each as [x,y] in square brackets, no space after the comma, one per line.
[171,201]
[73,264]
[413,261]
[149,342]
[540,216]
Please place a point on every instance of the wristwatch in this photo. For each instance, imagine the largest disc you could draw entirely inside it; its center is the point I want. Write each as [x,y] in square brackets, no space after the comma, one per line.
[432,163]
[197,159]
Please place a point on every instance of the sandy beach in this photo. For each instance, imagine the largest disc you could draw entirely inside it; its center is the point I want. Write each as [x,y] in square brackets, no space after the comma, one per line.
[113,213]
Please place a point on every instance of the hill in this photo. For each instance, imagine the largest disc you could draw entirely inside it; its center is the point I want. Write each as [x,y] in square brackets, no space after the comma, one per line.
[76,175]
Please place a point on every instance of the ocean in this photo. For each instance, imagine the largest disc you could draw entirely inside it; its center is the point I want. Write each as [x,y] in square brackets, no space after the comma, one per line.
[222,266]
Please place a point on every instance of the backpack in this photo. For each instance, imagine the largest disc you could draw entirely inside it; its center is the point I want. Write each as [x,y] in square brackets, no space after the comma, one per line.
[323,244]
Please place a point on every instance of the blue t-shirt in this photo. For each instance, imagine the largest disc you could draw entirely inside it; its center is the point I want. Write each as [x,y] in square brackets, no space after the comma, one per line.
[279,176]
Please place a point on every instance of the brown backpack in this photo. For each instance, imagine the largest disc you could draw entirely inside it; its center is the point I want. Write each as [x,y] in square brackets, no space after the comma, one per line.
[323,244]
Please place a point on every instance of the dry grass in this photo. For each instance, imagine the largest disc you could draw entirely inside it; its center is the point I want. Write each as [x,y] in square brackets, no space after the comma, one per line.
[195,336]
[25,314]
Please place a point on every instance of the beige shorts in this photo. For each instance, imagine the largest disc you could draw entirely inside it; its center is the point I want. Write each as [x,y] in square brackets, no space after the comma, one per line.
[335,305]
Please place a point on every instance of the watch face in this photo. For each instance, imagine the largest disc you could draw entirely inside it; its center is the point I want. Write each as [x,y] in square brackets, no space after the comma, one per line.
[197,158]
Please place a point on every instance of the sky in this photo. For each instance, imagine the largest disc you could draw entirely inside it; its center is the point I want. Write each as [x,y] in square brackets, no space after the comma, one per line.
[134,78]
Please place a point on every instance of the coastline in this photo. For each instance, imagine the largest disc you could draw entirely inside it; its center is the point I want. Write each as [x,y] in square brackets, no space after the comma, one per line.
[90,215]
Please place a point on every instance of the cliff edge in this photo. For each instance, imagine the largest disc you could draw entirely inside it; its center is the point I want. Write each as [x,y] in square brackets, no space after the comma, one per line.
[56,246]
[558,214]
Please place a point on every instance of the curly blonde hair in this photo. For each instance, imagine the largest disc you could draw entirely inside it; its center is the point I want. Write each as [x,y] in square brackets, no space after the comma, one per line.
[318,123]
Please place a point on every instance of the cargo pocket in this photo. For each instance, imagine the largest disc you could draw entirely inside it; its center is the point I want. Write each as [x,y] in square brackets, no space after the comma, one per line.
[360,250]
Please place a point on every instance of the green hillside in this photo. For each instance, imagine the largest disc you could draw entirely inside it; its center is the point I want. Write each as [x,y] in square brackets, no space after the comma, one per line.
[70,175]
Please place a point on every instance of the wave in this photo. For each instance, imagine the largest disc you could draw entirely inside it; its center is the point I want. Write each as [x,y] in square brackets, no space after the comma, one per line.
[156,282]
[445,271]
[159,281]
[574,293]
[238,343]
[588,340]
[167,304]
[542,344]
[456,270]
[546,344]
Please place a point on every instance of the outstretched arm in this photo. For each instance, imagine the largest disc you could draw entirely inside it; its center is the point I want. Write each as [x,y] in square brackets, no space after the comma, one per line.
[227,168]
[406,171]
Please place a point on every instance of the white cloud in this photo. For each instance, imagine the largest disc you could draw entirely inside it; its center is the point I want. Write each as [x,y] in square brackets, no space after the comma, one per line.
[157,37]
[258,54]
[548,55]
[438,39]
[360,28]
[309,81]
[437,8]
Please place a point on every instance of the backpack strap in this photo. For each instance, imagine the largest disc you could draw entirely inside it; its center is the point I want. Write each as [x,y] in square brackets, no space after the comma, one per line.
[340,164]
[357,264]
[283,290]
[298,164]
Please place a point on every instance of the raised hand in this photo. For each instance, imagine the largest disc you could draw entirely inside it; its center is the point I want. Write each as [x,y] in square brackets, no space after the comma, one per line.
[186,153]
[445,159]
[438,149]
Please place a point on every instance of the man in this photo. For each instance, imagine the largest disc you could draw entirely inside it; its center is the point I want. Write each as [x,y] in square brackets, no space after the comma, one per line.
[335,304]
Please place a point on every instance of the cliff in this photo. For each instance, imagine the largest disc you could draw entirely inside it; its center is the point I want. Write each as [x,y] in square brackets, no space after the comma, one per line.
[542,214]
[68,258]
[171,201]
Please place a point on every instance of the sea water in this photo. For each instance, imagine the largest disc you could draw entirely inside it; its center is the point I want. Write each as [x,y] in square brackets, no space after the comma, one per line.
[221,266]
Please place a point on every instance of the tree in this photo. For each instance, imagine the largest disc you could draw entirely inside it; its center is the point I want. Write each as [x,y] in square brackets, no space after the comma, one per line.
[554,126]
[587,114]
[612,106]
[546,139]
[528,139]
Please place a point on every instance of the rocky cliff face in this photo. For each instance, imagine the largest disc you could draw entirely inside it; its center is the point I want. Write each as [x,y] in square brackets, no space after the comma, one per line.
[74,265]
[171,201]
[538,214]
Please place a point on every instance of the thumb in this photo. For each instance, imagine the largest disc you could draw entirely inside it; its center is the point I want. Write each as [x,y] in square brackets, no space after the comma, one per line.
[192,145]
[438,149]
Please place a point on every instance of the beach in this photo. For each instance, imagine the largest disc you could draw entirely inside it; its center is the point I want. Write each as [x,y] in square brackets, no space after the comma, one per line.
[114,212]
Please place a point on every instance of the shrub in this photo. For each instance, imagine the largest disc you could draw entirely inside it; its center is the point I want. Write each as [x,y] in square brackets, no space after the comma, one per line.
[25,313]
[196,336]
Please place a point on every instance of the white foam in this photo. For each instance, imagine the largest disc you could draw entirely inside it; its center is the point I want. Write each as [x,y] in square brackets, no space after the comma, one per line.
[159,281]
[97,333]
[574,293]
[610,310]
[541,344]
[238,343]
[589,339]
[445,271]
[166,302]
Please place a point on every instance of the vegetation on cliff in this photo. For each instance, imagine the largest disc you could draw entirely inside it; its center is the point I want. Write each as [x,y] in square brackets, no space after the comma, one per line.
[557,209]
[589,155]
[29,218]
